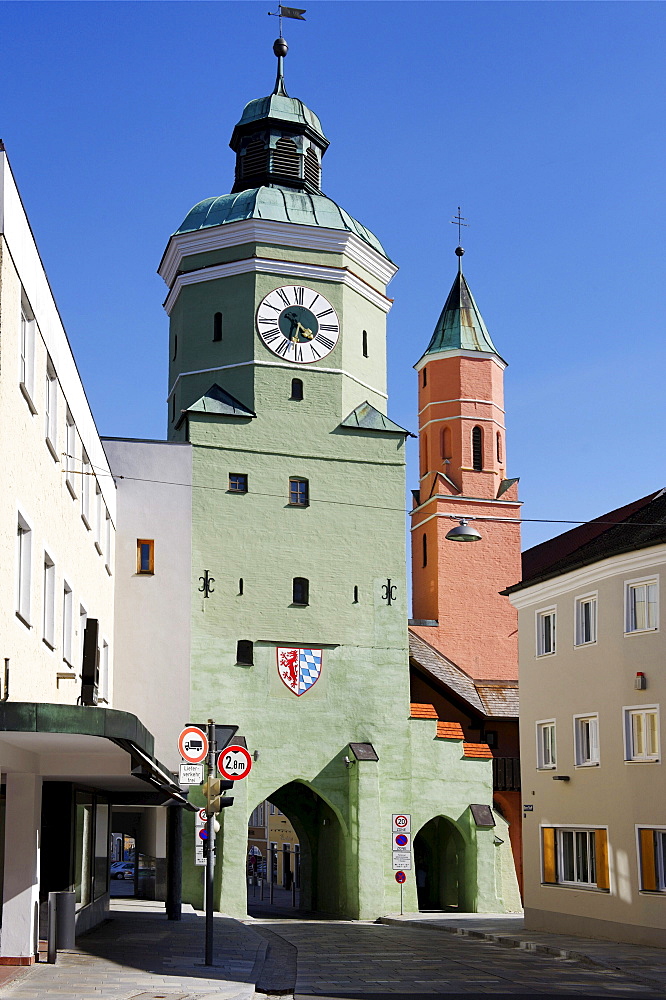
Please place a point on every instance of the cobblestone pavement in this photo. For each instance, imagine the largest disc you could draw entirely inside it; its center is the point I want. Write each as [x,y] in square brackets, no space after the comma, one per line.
[374,961]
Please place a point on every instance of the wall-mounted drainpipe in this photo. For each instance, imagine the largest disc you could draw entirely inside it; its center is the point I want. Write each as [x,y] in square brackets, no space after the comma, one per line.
[5,686]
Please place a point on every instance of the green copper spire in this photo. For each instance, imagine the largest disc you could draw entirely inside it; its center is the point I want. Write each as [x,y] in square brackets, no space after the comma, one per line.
[460,326]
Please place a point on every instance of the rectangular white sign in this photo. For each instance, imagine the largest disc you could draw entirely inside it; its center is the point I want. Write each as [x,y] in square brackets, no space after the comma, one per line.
[402,861]
[199,858]
[191,774]
[402,823]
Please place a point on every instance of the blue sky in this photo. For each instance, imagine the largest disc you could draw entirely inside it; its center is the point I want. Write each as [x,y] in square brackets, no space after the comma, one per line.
[544,121]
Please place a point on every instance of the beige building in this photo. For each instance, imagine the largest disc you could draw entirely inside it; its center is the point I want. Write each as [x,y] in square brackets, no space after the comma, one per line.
[592,683]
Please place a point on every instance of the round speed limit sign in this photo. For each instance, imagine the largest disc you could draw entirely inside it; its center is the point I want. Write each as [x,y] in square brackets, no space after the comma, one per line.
[234,763]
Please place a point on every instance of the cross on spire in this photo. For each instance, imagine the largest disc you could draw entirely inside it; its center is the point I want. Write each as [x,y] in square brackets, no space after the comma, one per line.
[459,220]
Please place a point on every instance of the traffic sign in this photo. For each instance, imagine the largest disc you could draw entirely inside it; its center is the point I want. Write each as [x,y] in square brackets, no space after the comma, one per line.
[402,822]
[234,763]
[401,840]
[193,745]
[402,861]
[199,856]
[400,877]
[202,818]
[190,774]
[203,833]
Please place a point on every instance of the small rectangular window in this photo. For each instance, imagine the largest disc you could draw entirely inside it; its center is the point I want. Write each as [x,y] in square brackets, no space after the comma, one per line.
[546,753]
[108,542]
[641,733]
[575,857]
[245,652]
[586,620]
[70,458]
[641,607]
[99,517]
[51,409]
[586,740]
[23,569]
[298,492]
[545,632]
[67,623]
[27,356]
[145,556]
[300,591]
[237,482]
[48,618]
[652,858]
[365,343]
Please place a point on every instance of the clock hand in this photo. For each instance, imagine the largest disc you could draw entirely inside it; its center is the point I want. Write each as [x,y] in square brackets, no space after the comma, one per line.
[308,334]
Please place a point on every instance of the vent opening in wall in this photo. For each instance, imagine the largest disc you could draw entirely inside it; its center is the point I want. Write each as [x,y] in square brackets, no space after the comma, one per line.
[477,449]
[286,160]
[245,652]
[312,168]
[240,587]
[365,343]
[217,326]
[355,601]
[255,160]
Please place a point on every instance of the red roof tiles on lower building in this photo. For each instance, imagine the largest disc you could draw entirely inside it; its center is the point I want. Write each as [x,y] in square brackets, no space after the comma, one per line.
[450,731]
[479,750]
[422,711]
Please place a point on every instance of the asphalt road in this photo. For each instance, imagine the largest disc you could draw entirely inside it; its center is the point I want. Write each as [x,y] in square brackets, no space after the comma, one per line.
[355,961]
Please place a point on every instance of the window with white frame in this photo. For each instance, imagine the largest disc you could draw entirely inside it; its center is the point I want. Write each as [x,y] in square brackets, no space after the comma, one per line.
[51,409]
[652,858]
[108,540]
[546,752]
[27,356]
[23,569]
[99,517]
[641,733]
[641,605]
[586,739]
[586,619]
[70,457]
[48,618]
[545,632]
[67,622]
[85,489]
[576,857]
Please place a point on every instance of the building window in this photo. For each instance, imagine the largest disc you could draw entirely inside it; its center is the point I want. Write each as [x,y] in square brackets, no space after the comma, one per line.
[241,587]
[586,740]
[424,454]
[27,359]
[173,409]
[546,753]
[365,344]
[545,632]
[108,543]
[355,601]
[652,858]
[641,612]
[586,620]
[641,733]
[575,857]
[67,623]
[245,652]
[300,591]
[424,541]
[299,493]
[145,556]
[51,409]
[23,569]
[70,458]
[477,449]
[237,482]
[99,517]
[48,621]
[425,377]
[217,326]
[499,447]
[296,388]
[175,346]
[85,489]
[446,443]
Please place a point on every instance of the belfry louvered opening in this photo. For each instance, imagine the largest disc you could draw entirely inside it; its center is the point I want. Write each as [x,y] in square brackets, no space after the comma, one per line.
[255,160]
[286,160]
[312,168]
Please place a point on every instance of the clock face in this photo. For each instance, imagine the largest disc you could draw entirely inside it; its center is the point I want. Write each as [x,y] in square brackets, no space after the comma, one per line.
[298,324]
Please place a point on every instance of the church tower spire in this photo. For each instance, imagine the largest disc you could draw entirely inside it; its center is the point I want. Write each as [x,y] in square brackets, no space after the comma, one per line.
[463,474]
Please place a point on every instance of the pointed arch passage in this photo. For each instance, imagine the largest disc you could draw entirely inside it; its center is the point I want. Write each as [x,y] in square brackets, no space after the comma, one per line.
[477,449]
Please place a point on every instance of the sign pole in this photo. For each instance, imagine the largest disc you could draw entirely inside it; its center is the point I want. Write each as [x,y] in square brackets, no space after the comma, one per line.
[210,859]
[401,888]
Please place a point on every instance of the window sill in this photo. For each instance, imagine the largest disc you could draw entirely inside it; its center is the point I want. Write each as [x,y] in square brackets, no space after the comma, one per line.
[28,398]
[143,572]
[583,645]
[546,767]
[47,642]
[302,505]
[67,663]
[108,569]
[644,760]
[588,763]
[70,487]
[99,548]
[69,675]
[540,656]
[297,604]
[51,447]
[22,619]
[640,631]
[575,885]
[85,521]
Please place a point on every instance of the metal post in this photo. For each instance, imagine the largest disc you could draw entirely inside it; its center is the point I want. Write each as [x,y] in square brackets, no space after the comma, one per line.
[174,862]
[401,888]
[210,860]
[270,879]
[293,879]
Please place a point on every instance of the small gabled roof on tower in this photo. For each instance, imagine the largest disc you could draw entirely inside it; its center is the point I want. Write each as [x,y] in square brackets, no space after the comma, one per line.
[460,326]
[218,402]
[365,417]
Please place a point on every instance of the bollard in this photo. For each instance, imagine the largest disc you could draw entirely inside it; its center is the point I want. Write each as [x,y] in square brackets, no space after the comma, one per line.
[62,923]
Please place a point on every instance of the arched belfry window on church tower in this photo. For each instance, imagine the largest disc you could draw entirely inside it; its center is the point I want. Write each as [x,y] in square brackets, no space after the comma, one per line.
[286,160]
[499,447]
[477,449]
[446,443]
[217,326]
[255,159]
[312,168]
[424,454]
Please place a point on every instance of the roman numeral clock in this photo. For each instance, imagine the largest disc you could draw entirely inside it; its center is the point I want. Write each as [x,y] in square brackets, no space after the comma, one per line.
[298,324]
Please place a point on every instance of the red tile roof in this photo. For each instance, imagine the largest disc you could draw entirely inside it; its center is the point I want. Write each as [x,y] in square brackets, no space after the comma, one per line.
[479,750]
[422,711]
[450,731]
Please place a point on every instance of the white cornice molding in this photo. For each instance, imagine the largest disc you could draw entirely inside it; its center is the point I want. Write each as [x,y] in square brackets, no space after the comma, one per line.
[477,355]
[471,517]
[587,576]
[278,364]
[463,399]
[282,268]
[288,234]
[462,416]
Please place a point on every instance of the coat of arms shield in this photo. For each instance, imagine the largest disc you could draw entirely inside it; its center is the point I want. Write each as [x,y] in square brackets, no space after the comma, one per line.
[298,668]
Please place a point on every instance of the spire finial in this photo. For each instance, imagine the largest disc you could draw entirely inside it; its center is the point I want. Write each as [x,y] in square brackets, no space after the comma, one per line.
[280,47]
[459,221]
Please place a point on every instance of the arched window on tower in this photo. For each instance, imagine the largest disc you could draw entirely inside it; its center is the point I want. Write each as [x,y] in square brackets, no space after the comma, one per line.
[424,541]
[296,388]
[477,449]
[300,591]
[365,343]
[499,447]
[286,160]
[446,443]
[425,377]
[424,454]
[312,168]
[255,160]
[217,326]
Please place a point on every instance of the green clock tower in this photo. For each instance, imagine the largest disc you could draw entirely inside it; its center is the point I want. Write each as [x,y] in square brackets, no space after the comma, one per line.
[277,304]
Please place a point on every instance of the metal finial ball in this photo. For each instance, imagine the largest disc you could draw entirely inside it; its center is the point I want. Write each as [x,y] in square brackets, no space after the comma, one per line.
[459,251]
[280,47]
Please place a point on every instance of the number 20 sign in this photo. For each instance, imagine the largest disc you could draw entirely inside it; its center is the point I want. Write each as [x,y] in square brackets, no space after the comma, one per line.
[234,763]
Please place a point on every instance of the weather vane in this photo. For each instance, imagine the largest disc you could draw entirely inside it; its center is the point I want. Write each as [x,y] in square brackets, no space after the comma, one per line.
[459,220]
[281,12]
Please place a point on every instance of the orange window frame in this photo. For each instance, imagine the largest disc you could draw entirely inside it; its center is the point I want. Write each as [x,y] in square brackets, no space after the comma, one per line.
[150,542]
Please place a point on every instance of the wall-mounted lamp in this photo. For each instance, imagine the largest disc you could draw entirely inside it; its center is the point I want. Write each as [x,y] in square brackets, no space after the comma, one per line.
[255,756]
[561,777]
[641,681]
[463,532]
[349,762]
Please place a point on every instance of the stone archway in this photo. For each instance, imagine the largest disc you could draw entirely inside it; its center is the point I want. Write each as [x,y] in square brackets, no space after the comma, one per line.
[440,867]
